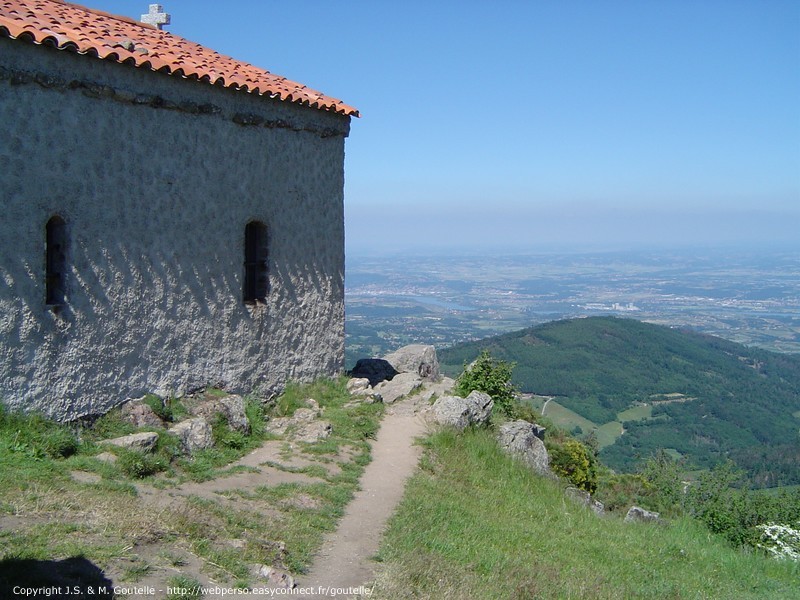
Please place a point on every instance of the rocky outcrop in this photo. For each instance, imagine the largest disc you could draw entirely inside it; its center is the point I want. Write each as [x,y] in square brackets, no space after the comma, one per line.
[194,434]
[141,442]
[519,439]
[419,359]
[640,515]
[460,413]
[585,498]
[415,360]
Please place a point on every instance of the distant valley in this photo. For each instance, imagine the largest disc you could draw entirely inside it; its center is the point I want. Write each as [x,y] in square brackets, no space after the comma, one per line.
[746,296]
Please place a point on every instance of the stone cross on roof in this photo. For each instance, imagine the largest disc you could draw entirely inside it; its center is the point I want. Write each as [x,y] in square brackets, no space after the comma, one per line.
[156,17]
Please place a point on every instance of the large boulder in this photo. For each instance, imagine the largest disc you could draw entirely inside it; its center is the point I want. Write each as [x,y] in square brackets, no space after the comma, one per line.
[460,413]
[419,359]
[194,434]
[373,370]
[519,439]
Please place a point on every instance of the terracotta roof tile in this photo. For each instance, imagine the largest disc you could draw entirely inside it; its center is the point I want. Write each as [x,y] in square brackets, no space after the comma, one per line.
[119,39]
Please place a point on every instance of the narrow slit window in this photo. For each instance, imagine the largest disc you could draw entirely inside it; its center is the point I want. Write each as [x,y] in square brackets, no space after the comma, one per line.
[56,261]
[256,275]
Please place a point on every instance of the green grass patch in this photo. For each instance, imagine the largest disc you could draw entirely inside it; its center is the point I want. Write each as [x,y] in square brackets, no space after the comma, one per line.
[475,524]
[608,433]
[566,418]
[636,413]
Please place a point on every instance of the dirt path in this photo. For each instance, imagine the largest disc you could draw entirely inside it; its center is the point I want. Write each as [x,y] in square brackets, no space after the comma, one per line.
[344,561]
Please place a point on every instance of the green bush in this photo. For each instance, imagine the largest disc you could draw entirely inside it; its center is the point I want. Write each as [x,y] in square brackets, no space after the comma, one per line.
[575,462]
[492,377]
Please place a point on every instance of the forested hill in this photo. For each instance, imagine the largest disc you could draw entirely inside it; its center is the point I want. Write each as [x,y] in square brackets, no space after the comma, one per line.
[701,397]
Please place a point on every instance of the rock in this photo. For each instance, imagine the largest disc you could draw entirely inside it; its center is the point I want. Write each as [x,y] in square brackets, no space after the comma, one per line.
[585,498]
[276,578]
[231,407]
[518,438]
[419,359]
[281,424]
[106,457]
[302,426]
[640,515]
[358,386]
[312,432]
[139,414]
[194,434]
[400,385]
[453,411]
[373,370]
[482,405]
[312,404]
[142,442]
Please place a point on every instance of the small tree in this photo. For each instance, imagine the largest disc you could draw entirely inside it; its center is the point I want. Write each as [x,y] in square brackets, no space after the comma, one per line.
[493,377]
[663,475]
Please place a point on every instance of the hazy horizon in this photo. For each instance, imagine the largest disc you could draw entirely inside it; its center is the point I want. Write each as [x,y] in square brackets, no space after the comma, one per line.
[517,123]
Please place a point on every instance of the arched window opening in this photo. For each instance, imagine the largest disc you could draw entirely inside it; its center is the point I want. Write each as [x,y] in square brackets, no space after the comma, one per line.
[56,261]
[256,275]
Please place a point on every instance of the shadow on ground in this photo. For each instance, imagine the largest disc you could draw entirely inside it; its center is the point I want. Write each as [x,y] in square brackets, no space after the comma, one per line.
[75,578]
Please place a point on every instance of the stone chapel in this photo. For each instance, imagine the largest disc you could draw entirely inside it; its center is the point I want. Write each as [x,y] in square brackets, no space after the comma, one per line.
[172,218]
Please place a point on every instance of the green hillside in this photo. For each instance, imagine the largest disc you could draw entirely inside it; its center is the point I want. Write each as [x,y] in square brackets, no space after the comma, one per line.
[700,397]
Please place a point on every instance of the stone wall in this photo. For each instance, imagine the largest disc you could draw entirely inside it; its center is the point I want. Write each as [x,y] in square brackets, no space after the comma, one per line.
[156,178]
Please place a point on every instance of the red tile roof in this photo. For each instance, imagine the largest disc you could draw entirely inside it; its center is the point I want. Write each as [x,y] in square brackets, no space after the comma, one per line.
[110,37]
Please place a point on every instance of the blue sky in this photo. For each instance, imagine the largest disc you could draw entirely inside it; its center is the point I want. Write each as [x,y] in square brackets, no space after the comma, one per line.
[529,125]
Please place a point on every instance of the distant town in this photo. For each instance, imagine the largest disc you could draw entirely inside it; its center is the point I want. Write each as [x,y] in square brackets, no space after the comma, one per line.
[751,297]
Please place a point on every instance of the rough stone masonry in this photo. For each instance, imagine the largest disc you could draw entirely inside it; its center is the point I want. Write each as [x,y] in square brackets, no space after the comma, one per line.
[151,181]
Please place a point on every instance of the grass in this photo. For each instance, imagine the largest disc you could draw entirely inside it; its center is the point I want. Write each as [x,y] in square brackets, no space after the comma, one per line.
[475,524]
[636,413]
[105,521]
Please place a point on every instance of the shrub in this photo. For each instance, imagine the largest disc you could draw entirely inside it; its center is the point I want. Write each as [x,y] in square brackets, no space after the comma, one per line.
[574,461]
[780,541]
[663,476]
[492,377]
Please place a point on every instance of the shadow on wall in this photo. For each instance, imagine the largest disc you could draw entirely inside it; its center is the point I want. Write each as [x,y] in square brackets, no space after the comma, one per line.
[156,319]
[75,578]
